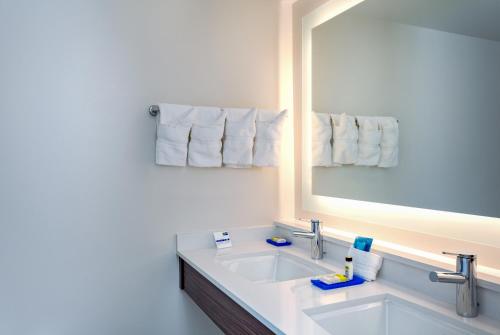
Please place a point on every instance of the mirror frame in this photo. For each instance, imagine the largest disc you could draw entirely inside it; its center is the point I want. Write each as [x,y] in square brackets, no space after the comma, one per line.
[473,228]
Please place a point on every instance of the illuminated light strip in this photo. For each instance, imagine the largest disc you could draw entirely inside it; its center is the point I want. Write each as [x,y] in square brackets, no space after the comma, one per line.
[412,251]
[286,171]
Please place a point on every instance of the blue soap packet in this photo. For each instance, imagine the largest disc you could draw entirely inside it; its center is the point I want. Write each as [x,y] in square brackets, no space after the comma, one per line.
[276,244]
[354,281]
[363,243]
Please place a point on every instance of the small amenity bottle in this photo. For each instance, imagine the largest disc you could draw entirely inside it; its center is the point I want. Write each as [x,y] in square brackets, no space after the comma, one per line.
[349,268]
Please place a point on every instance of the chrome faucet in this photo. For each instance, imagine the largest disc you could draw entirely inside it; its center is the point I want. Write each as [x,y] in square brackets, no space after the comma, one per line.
[466,279]
[316,239]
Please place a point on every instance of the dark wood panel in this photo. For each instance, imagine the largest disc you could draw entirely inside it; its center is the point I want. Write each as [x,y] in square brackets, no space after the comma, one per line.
[181,273]
[230,317]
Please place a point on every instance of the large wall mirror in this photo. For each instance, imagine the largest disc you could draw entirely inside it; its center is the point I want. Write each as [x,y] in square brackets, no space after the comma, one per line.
[434,65]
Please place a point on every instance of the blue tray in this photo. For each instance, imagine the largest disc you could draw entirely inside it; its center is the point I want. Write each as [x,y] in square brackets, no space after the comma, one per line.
[354,281]
[278,244]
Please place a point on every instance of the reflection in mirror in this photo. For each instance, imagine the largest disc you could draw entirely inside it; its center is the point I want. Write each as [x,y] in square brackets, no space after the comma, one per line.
[434,65]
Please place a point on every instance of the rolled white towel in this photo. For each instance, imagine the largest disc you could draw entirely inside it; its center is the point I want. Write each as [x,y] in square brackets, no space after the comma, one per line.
[239,137]
[206,137]
[369,141]
[389,143]
[267,145]
[321,139]
[345,139]
[172,134]
[366,264]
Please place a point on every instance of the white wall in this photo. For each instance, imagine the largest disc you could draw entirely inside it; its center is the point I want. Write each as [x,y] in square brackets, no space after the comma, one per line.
[87,221]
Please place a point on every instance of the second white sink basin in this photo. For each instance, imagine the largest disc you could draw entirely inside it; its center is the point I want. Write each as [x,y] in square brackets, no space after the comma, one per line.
[387,315]
[268,267]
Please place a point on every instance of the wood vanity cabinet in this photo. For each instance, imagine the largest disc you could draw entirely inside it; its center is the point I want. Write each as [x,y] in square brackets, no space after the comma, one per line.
[229,316]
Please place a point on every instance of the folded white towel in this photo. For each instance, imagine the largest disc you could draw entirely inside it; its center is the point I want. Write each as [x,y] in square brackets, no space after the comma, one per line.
[369,141]
[389,144]
[267,145]
[335,119]
[321,139]
[206,137]
[172,134]
[238,137]
[366,264]
[345,139]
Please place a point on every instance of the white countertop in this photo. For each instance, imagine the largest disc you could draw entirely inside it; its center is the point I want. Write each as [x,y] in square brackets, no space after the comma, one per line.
[280,305]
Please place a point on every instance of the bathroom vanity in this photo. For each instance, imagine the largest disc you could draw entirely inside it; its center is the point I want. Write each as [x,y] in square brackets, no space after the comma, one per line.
[230,317]
[256,288]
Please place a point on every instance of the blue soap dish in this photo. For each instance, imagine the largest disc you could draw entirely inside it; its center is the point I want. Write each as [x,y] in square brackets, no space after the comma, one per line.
[276,244]
[354,281]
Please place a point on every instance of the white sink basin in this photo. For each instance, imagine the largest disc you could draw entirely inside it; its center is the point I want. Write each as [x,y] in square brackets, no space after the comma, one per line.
[387,315]
[268,267]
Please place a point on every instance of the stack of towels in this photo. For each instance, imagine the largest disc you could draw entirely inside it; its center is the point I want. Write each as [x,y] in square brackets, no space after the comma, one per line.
[321,139]
[206,137]
[172,129]
[366,264]
[239,136]
[212,136]
[364,141]
[268,138]
[345,139]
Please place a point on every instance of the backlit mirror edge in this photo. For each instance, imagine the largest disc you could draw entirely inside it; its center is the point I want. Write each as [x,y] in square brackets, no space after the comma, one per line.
[472,228]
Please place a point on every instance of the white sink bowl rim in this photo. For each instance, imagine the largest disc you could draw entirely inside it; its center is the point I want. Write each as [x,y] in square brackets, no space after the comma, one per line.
[272,266]
[387,315]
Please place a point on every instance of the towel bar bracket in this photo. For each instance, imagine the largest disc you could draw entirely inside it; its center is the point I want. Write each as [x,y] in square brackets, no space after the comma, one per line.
[154,110]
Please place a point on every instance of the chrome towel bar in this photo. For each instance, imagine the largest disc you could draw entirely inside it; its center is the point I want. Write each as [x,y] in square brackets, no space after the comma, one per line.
[154,110]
